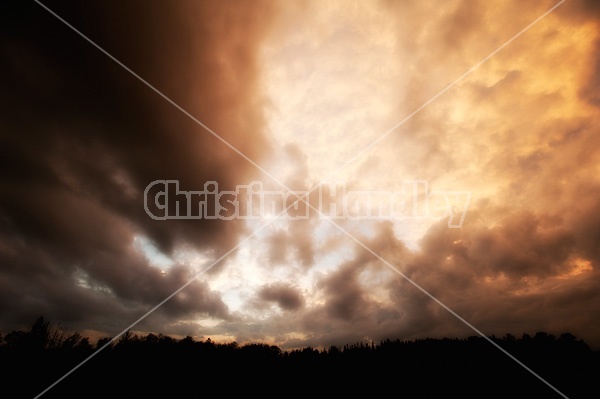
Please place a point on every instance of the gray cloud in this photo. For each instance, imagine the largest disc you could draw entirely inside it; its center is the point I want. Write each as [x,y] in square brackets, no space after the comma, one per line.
[285,296]
[84,138]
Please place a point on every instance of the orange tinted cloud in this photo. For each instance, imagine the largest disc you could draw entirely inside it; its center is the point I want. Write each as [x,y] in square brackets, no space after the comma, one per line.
[301,87]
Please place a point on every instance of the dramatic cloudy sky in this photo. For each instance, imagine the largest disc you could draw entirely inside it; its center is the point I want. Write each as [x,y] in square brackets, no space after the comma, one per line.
[300,88]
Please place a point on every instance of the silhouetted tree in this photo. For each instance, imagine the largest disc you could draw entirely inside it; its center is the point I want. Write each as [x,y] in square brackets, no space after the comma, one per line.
[101,342]
[145,365]
[39,334]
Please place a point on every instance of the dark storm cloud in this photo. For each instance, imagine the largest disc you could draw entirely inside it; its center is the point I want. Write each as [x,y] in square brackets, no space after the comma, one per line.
[82,138]
[522,245]
[287,297]
[345,296]
[347,292]
[587,220]
[521,274]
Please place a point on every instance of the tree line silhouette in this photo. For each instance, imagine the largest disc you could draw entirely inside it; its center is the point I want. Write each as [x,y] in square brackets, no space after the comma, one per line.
[162,366]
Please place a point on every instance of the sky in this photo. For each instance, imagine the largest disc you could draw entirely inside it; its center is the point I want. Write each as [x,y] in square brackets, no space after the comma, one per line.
[492,169]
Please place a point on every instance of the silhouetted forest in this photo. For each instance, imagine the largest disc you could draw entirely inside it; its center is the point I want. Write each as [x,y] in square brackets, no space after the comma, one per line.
[161,366]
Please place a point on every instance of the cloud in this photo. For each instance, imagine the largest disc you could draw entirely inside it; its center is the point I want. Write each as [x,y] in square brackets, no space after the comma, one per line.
[520,133]
[301,89]
[344,296]
[85,137]
[278,243]
[285,296]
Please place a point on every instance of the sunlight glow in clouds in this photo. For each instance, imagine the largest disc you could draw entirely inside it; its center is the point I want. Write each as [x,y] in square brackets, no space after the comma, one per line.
[332,76]
[337,77]
[300,87]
